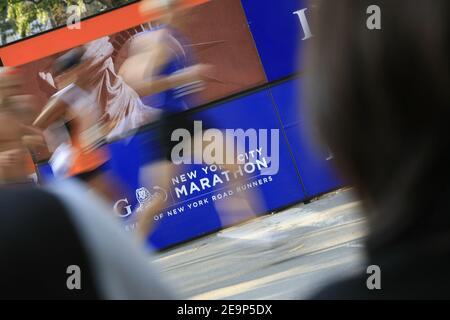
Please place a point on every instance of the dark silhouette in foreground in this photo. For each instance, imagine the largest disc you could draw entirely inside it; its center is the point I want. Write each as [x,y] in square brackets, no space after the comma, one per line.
[381,101]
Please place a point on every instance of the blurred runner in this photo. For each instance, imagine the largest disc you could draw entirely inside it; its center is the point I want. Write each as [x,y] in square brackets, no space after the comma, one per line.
[84,156]
[155,54]
[161,51]
[97,106]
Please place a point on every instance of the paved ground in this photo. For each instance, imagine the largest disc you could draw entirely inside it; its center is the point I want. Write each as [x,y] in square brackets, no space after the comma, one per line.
[281,256]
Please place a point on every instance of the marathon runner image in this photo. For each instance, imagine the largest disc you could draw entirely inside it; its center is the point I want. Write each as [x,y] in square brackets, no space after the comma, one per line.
[162,52]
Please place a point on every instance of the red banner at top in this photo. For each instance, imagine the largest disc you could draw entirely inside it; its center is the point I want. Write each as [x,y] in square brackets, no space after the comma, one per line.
[46,44]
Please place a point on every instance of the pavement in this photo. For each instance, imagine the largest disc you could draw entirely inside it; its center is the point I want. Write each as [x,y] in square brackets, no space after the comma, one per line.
[286,255]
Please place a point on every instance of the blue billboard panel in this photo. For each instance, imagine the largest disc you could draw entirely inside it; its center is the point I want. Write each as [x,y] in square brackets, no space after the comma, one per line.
[314,164]
[279,28]
[203,198]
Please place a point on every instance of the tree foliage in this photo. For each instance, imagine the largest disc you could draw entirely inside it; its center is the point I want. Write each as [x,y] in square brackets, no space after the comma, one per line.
[27,17]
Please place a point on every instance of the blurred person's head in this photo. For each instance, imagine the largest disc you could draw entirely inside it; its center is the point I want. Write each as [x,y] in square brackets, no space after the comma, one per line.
[68,67]
[381,101]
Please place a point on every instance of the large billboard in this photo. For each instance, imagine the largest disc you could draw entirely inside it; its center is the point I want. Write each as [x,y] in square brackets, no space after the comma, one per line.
[196,192]
[249,44]
[202,37]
